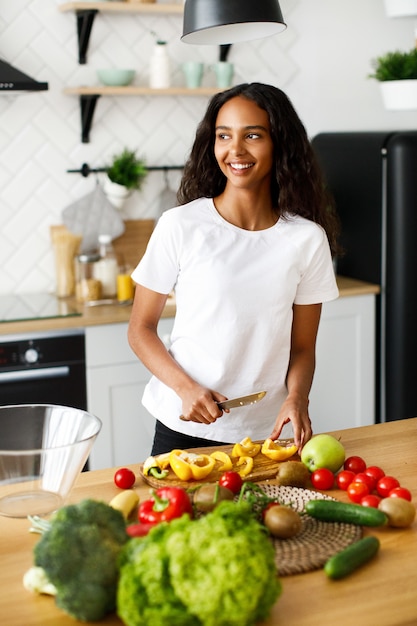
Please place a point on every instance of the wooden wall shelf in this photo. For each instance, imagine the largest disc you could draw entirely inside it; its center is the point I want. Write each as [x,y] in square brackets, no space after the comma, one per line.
[124,7]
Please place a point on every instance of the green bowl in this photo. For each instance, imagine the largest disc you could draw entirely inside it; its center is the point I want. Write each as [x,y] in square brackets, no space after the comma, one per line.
[115,77]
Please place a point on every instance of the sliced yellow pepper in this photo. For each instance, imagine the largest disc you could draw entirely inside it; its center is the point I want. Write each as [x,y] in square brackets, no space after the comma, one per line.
[246,448]
[247,462]
[190,466]
[224,458]
[276,452]
[153,467]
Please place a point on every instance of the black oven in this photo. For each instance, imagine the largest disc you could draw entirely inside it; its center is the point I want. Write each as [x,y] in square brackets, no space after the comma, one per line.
[43,368]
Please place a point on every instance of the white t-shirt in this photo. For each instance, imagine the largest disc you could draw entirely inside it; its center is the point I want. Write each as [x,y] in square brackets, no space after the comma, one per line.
[234,291]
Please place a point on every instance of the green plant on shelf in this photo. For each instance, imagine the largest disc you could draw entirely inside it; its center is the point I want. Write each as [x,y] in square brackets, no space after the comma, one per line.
[395,65]
[127,170]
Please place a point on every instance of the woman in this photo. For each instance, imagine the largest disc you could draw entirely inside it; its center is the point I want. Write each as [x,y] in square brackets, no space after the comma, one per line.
[247,253]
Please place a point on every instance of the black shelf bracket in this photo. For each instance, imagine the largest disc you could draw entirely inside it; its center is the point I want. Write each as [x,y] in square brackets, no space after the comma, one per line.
[85,20]
[87,107]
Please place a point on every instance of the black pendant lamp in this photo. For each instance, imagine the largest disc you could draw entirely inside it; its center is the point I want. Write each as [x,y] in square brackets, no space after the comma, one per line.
[219,22]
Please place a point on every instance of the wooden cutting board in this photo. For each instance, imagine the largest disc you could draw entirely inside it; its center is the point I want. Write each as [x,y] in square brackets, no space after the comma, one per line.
[263,469]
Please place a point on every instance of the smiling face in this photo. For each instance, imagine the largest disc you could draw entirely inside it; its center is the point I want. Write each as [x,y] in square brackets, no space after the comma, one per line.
[243,145]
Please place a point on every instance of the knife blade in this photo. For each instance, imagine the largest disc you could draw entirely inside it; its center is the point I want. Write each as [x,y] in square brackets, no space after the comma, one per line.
[252,398]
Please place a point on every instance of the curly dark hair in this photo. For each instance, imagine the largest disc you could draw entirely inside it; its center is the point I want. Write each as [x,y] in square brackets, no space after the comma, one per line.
[298,186]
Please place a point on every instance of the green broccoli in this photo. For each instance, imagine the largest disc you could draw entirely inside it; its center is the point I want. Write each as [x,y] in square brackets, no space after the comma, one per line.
[79,554]
[218,570]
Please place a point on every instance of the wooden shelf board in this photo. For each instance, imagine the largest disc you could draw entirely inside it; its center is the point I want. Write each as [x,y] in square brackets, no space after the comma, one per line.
[139,91]
[123,7]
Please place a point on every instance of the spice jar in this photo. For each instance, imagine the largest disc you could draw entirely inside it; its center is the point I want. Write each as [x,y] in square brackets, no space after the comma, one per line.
[87,287]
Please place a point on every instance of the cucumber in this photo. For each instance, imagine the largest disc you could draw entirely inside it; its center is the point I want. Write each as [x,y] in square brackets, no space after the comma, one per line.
[334,511]
[351,558]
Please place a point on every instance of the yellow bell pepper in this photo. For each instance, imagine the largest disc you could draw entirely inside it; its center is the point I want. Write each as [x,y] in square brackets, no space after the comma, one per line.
[246,448]
[247,462]
[276,452]
[191,466]
[154,467]
[224,458]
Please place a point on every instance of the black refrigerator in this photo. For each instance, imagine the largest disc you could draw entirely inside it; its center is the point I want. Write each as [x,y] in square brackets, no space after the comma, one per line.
[373,178]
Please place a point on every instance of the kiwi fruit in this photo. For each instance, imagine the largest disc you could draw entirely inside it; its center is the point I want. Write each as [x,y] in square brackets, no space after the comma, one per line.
[293,474]
[208,496]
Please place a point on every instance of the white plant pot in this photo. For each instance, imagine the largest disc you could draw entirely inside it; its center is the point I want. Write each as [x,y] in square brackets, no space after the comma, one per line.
[116,194]
[400,8]
[399,95]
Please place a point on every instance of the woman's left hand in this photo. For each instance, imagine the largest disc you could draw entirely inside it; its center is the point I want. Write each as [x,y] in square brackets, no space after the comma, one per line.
[294,410]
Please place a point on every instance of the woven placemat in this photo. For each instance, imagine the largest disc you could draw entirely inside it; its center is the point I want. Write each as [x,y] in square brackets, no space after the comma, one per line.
[317,541]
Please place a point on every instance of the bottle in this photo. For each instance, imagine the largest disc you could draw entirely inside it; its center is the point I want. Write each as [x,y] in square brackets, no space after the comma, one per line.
[106,269]
[159,70]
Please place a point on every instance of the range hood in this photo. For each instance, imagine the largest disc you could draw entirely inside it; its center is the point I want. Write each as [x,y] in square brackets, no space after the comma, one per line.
[12,79]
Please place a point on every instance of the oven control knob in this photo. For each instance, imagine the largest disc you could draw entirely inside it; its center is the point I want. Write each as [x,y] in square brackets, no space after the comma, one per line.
[31,355]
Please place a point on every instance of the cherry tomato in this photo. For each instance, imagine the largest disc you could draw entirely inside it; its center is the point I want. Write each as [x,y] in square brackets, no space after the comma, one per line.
[370,500]
[322,479]
[231,480]
[375,472]
[362,477]
[124,478]
[344,478]
[400,492]
[356,491]
[354,464]
[385,485]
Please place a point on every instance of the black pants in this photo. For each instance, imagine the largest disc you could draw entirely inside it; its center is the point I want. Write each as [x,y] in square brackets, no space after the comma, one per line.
[166,440]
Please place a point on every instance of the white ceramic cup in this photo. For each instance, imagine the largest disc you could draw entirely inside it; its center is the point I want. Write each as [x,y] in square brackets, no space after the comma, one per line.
[193,73]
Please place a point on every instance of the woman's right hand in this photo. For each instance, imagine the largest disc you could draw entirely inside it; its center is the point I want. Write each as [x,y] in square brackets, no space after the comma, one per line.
[199,405]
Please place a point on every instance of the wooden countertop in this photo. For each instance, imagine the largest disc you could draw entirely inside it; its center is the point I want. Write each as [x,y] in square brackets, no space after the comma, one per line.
[382,593]
[117,314]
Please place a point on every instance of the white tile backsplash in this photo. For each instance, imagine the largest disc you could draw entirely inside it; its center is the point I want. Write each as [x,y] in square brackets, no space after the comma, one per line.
[40,132]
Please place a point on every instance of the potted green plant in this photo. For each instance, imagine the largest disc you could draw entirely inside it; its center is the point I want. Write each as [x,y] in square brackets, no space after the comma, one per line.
[397,74]
[125,174]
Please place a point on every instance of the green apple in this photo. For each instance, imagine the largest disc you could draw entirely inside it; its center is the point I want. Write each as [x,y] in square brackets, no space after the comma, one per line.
[323,451]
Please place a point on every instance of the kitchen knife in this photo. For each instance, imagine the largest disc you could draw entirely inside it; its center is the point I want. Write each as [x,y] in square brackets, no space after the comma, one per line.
[252,398]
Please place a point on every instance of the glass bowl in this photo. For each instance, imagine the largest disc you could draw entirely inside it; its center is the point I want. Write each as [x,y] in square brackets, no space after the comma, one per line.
[43,448]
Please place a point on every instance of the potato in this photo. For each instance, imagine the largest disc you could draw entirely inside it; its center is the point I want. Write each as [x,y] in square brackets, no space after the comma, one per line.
[282,521]
[400,512]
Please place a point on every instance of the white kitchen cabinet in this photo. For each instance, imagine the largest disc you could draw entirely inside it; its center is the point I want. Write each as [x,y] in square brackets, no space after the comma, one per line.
[115,383]
[343,391]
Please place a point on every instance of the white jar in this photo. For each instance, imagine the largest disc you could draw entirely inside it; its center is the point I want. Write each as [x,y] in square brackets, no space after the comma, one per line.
[107,268]
[160,70]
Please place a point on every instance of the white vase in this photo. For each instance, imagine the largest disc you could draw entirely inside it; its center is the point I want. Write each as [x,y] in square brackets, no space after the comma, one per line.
[116,194]
[400,8]
[160,67]
[399,95]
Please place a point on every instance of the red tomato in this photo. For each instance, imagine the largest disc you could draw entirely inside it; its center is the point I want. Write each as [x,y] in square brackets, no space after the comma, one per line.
[370,500]
[322,479]
[375,472]
[124,478]
[232,481]
[356,491]
[385,485]
[354,464]
[362,477]
[400,492]
[344,478]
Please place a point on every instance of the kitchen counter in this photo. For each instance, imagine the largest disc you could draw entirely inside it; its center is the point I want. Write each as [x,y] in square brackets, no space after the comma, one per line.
[383,592]
[116,313]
